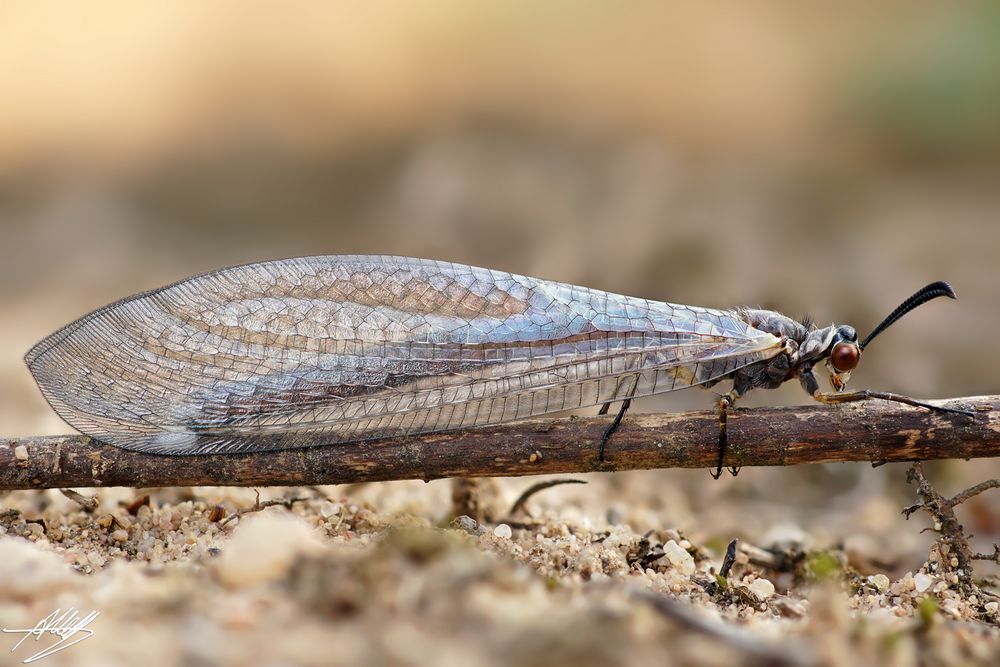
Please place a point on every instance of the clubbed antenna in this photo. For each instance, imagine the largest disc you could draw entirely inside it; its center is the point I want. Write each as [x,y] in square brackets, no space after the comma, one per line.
[932,291]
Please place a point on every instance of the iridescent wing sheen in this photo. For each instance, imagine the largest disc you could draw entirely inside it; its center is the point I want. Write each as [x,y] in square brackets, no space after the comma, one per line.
[338,349]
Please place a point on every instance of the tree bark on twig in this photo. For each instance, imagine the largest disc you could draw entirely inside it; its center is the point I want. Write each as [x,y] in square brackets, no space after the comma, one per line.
[874,431]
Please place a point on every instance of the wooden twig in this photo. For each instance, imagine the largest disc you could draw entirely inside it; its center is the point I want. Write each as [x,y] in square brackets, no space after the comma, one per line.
[874,431]
[972,491]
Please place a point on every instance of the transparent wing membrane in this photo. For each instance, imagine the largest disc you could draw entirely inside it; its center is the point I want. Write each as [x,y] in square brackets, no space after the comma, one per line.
[329,350]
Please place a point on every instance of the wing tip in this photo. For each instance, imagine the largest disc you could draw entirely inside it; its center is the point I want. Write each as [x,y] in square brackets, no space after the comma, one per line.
[32,356]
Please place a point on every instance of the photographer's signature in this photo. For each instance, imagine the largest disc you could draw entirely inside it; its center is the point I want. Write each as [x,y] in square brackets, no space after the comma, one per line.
[69,626]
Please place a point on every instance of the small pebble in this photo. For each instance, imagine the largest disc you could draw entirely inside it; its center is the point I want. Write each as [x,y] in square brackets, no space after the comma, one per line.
[145,546]
[119,535]
[21,453]
[922,582]
[468,524]
[952,608]
[329,509]
[880,581]
[679,557]
[503,531]
[762,588]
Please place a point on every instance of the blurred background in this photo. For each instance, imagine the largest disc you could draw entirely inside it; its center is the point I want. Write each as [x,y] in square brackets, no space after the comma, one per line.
[808,157]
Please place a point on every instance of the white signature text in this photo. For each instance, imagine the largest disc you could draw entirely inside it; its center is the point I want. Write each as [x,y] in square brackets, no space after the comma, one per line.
[69,626]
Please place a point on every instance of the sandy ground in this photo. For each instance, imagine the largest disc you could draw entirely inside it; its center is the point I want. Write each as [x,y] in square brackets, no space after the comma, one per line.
[387,574]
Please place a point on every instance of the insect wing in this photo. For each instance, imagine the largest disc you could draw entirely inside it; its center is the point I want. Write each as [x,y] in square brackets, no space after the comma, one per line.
[337,349]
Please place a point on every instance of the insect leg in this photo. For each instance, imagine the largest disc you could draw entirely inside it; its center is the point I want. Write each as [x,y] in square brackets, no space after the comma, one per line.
[830,398]
[618,418]
[809,383]
[726,401]
[607,406]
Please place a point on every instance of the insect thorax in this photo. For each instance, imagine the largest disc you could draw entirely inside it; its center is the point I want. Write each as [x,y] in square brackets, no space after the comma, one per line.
[775,323]
[807,345]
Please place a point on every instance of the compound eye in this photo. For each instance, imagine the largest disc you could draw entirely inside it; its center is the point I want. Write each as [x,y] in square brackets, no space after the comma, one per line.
[844,356]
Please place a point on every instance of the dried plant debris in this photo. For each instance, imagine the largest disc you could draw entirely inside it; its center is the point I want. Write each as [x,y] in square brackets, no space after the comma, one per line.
[304,570]
[522,499]
[948,574]
[258,506]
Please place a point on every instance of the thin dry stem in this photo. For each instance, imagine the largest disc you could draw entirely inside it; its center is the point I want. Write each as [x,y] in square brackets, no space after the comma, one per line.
[535,488]
[88,503]
[258,506]
[972,491]
[874,431]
